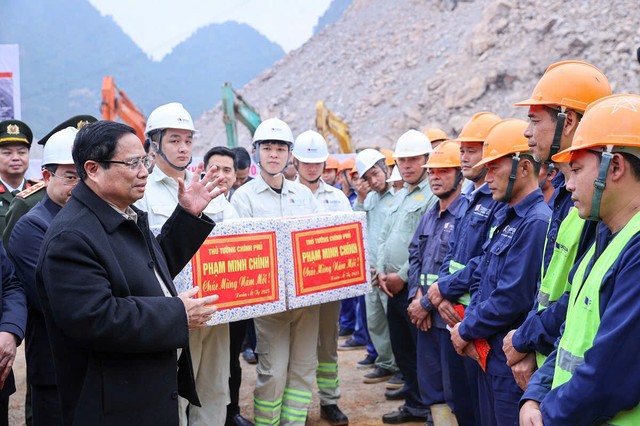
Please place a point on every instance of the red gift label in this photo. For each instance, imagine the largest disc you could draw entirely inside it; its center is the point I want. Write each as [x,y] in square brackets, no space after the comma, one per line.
[241,269]
[328,258]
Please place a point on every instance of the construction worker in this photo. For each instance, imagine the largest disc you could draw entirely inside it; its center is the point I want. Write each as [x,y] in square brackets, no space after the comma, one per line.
[170,131]
[505,278]
[471,231]
[427,250]
[309,156]
[15,142]
[545,180]
[60,177]
[344,178]
[392,264]
[555,108]
[330,173]
[286,342]
[592,377]
[376,201]
[436,136]
[395,179]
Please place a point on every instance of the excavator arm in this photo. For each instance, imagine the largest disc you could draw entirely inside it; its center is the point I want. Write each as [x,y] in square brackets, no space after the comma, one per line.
[328,123]
[116,104]
[234,109]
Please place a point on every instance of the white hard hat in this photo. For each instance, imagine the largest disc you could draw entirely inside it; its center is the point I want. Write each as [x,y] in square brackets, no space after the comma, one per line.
[412,144]
[273,129]
[395,175]
[169,116]
[58,148]
[310,147]
[366,159]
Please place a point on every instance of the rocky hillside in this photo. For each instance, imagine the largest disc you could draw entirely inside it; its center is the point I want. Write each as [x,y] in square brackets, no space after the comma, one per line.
[387,66]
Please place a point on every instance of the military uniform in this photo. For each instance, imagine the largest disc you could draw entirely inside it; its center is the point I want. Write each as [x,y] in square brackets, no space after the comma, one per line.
[19,206]
[12,132]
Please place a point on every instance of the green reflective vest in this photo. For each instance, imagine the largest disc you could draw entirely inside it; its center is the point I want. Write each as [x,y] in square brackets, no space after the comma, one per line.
[554,282]
[583,315]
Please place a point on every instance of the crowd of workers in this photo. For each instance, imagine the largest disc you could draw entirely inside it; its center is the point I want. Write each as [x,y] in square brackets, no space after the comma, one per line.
[502,263]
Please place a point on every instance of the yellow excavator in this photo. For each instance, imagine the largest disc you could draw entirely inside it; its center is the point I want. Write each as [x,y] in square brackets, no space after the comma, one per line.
[329,123]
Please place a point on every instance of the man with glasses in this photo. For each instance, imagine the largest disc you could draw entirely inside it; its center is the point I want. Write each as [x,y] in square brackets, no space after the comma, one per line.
[60,177]
[113,316]
[170,130]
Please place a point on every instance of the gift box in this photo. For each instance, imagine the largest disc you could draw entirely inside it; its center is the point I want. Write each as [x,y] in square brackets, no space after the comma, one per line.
[239,263]
[262,266]
[328,258]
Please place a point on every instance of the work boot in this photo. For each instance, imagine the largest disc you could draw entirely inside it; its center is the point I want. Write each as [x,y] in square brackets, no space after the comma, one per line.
[395,382]
[333,415]
[378,374]
[443,416]
[402,416]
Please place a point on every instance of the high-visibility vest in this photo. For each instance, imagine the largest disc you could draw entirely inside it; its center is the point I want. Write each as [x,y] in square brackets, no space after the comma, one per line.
[555,281]
[583,315]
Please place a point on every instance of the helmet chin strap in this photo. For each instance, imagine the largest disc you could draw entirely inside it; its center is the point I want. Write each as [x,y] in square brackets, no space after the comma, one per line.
[480,175]
[453,189]
[600,183]
[158,150]
[512,176]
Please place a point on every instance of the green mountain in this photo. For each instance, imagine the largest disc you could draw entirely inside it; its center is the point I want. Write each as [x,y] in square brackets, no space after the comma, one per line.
[67,47]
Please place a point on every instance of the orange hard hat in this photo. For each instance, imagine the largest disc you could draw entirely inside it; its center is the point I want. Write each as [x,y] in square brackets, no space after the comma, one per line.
[477,128]
[331,163]
[435,135]
[347,164]
[570,84]
[446,154]
[613,120]
[388,155]
[505,137]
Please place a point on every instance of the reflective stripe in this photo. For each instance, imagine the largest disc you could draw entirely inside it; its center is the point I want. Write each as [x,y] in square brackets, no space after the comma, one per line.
[296,395]
[543,299]
[455,266]
[465,299]
[327,383]
[267,405]
[293,411]
[568,361]
[327,367]
[262,421]
[430,279]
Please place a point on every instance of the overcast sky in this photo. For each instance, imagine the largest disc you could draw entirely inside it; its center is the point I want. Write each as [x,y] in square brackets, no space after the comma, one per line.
[157,26]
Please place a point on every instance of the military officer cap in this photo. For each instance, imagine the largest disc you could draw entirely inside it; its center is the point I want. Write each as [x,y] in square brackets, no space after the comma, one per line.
[15,131]
[77,122]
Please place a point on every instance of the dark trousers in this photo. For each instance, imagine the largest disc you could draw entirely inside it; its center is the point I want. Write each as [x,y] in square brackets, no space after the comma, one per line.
[499,399]
[472,370]
[237,331]
[45,406]
[403,336]
[348,313]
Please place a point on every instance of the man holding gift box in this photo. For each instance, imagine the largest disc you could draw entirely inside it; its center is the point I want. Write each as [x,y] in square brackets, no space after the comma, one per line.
[113,316]
[310,154]
[287,341]
[170,132]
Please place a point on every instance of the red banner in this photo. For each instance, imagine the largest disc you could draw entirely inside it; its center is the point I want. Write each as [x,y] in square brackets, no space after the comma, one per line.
[241,269]
[328,258]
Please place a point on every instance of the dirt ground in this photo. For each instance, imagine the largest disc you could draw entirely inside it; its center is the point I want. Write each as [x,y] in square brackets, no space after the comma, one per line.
[364,404]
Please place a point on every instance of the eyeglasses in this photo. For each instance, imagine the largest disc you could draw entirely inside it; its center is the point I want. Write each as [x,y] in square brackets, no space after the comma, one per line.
[146,161]
[69,180]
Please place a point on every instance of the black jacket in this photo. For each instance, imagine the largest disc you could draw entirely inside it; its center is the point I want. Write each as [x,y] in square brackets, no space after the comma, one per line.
[113,333]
